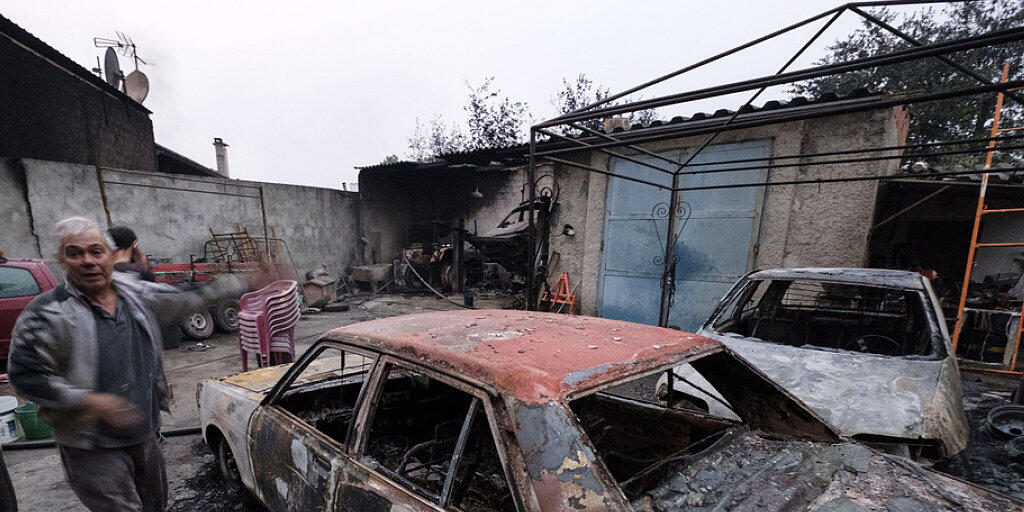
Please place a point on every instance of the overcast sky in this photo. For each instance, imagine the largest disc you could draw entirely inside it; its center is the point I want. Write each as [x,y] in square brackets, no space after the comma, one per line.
[304,91]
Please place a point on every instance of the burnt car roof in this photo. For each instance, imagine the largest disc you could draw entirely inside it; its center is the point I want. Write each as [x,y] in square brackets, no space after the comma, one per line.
[532,356]
[869,276]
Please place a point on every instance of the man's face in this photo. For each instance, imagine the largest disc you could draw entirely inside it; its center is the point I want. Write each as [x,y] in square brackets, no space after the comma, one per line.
[87,261]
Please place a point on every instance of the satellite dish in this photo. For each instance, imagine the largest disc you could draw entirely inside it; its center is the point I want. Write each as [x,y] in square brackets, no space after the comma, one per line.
[136,85]
[112,69]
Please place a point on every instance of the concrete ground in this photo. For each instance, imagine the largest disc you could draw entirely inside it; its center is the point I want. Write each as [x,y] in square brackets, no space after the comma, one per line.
[37,475]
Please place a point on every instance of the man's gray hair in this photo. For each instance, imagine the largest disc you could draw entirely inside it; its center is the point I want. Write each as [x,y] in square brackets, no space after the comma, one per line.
[77,226]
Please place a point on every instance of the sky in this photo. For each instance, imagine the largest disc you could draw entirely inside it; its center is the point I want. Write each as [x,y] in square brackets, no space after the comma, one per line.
[305,91]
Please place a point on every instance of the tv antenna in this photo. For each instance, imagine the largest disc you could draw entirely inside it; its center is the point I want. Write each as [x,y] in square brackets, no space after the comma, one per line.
[136,84]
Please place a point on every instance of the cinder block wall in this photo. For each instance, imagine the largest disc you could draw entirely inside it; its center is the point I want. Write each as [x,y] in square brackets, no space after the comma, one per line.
[321,226]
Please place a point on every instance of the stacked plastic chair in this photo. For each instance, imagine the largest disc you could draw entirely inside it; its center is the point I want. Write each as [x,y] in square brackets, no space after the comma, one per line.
[266,322]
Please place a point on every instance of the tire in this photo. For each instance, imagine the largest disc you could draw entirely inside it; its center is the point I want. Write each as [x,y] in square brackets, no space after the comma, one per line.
[228,468]
[225,316]
[198,325]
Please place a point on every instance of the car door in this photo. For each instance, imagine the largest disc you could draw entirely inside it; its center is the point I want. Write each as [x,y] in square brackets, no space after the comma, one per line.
[298,435]
[18,286]
[426,442]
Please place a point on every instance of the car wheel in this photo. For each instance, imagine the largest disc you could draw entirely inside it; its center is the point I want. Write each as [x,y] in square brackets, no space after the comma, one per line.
[228,467]
[198,325]
[225,315]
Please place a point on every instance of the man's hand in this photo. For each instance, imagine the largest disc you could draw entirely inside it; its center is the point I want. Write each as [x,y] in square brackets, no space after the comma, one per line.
[112,410]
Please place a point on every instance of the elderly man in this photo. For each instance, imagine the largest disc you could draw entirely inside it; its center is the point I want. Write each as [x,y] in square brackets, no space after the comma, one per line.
[89,354]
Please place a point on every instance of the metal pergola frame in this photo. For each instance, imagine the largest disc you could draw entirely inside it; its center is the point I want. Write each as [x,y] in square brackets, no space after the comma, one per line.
[744,117]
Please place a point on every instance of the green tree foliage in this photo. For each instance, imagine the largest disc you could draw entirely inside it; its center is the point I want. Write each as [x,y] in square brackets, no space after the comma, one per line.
[492,121]
[966,117]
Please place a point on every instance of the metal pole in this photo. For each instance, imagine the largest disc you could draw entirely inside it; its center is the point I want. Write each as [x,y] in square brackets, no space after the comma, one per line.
[710,139]
[704,62]
[668,276]
[896,57]
[899,33]
[674,132]
[266,234]
[531,172]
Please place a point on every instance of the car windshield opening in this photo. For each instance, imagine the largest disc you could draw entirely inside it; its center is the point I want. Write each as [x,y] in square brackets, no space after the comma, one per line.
[830,315]
[637,438]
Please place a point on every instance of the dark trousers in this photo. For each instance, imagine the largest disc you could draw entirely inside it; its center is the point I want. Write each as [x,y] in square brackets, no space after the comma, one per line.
[128,479]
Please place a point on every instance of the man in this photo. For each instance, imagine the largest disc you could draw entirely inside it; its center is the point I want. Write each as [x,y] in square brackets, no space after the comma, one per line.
[127,255]
[89,354]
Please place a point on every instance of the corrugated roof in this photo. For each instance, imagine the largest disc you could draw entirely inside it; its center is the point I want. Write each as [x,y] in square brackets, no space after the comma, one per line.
[172,162]
[33,43]
[517,153]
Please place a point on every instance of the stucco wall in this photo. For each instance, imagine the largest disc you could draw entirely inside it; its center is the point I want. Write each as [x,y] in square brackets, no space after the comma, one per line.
[800,225]
[321,226]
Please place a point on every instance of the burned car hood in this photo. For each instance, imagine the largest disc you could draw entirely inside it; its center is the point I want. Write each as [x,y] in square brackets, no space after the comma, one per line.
[259,381]
[745,471]
[859,393]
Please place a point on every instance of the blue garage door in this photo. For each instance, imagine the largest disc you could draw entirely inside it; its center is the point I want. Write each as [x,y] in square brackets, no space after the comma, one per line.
[715,246]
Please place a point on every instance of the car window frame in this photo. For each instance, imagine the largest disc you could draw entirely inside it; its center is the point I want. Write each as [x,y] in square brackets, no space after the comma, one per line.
[274,396]
[32,277]
[481,397]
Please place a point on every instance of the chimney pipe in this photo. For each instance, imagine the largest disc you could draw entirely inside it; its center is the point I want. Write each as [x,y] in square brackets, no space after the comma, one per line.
[220,148]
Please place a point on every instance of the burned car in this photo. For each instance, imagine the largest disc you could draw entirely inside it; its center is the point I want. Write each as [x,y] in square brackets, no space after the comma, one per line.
[522,411]
[867,349]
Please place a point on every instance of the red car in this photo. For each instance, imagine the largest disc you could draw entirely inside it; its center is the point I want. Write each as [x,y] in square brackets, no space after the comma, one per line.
[20,282]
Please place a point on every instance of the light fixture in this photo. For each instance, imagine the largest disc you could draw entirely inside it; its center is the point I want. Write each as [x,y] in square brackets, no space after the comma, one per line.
[569,230]
[475,194]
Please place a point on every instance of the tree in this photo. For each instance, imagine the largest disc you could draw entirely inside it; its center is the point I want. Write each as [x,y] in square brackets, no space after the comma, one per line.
[390,159]
[492,121]
[965,117]
[582,92]
[437,138]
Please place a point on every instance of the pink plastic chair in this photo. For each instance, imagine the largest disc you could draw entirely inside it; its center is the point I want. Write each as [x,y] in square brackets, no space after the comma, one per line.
[267,321]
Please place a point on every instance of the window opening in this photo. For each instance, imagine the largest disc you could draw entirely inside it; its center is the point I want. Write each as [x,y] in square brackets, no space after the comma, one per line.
[325,392]
[838,316]
[422,428]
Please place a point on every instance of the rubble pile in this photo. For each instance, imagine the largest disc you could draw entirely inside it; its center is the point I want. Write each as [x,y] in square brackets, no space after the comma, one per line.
[743,471]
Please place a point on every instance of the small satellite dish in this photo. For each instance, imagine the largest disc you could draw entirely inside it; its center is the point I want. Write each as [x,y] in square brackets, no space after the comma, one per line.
[112,69]
[136,86]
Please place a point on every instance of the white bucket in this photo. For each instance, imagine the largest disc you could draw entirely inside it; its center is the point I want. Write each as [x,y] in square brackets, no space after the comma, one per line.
[8,427]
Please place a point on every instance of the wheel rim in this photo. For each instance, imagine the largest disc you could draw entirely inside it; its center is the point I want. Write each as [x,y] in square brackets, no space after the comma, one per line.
[230,316]
[198,321]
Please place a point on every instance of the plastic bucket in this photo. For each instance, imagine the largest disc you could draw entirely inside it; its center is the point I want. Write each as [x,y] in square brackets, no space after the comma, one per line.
[8,429]
[31,425]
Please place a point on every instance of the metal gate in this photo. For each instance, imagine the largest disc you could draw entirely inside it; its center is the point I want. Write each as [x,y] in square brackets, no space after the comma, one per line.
[718,233]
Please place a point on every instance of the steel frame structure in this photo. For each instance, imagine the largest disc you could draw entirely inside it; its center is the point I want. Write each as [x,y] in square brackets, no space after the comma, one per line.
[558,144]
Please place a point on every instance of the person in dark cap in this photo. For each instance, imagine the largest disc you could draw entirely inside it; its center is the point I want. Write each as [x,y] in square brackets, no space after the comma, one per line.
[127,255]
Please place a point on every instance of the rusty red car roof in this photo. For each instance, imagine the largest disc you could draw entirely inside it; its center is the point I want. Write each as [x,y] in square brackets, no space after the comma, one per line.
[530,355]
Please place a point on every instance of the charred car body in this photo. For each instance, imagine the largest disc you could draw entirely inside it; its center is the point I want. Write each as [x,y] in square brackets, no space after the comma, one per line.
[514,410]
[867,349]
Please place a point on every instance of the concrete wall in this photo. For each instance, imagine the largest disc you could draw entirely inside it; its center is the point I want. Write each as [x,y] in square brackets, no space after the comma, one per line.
[52,114]
[321,226]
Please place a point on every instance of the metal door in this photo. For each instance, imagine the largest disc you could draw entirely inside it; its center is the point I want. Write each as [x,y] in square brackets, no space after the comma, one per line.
[718,232]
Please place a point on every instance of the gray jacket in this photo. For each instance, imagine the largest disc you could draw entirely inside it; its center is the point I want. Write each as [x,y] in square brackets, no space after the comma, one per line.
[54,348]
